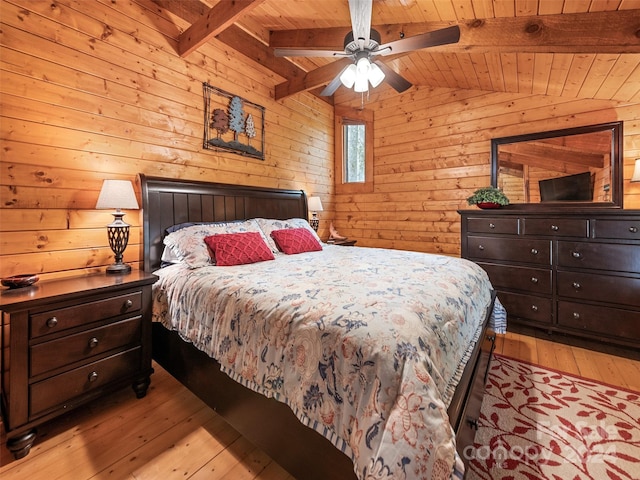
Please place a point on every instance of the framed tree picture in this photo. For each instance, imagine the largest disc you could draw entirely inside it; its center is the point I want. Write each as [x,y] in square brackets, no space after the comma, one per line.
[232,124]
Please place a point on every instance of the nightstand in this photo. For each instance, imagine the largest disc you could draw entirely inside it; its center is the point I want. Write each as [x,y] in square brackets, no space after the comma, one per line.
[66,342]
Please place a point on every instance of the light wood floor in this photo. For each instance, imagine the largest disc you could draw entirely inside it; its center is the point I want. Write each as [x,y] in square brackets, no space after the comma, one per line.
[172,435]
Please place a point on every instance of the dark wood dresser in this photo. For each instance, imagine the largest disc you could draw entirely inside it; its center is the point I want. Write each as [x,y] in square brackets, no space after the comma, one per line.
[66,342]
[577,273]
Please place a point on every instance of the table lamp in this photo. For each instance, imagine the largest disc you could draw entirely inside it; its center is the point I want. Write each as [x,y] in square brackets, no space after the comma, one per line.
[315,206]
[636,172]
[117,194]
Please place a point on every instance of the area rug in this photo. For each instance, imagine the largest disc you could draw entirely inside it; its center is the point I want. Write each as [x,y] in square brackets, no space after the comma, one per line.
[540,424]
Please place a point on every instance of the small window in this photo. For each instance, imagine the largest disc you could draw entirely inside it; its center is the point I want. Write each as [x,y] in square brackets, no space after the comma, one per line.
[354,150]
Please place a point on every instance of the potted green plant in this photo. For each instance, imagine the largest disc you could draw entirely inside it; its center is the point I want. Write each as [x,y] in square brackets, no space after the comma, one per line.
[488,197]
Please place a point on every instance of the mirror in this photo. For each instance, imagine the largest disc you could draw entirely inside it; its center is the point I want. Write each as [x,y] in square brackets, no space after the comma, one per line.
[573,167]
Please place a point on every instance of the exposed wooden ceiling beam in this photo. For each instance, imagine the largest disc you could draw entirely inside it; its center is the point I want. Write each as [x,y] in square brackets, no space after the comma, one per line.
[241,41]
[531,153]
[217,19]
[311,80]
[594,32]
[254,49]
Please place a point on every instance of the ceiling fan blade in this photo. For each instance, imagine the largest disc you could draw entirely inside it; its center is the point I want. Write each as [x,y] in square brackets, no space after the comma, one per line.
[296,52]
[333,85]
[417,42]
[398,82]
[360,11]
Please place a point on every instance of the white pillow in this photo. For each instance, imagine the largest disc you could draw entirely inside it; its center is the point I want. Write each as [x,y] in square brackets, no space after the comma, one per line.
[189,246]
[168,256]
[268,225]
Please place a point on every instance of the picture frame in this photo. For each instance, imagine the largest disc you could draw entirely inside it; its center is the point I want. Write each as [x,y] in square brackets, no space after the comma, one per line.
[232,123]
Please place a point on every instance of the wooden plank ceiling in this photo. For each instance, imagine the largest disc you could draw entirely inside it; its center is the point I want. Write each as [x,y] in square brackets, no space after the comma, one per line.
[566,48]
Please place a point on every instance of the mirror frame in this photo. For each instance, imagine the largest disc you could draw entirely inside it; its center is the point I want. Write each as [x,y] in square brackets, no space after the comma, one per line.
[616,163]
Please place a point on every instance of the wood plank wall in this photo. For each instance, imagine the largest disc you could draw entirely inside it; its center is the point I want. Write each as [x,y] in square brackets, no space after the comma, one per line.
[92,90]
[95,90]
[432,150]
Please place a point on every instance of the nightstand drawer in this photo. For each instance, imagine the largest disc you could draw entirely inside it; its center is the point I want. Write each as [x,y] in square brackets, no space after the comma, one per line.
[57,390]
[575,227]
[599,288]
[534,280]
[594,318]
[54,321]
[492,225]
[51,355]
[510,249]
[528,307]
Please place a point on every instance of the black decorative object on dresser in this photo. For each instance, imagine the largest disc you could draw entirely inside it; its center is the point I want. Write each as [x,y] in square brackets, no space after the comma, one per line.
[66,342]
[576,273]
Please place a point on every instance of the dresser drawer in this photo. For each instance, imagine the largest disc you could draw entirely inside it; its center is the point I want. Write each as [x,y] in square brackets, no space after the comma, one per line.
[527,307]
[54,321]
[492,225]
[510,249]
[593,318]
[599,256]
[54,354]
[599,288]
[565,227]
[534,280]
[622,229]
[55,391]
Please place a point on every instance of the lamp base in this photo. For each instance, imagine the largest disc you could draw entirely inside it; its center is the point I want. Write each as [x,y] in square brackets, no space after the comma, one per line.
[118,268]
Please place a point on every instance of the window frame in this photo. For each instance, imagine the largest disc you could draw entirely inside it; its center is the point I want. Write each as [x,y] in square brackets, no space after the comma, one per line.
[345,116]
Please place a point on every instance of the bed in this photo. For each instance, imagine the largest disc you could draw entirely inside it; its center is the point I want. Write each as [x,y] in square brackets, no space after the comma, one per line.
[302,436]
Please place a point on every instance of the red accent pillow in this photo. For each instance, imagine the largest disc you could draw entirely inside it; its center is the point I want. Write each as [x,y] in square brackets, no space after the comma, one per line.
[238,248]
[295,240]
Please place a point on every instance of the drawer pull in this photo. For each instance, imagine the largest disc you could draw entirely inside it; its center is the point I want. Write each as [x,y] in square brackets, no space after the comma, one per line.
[52,322]
[128,304]
[534,251]
[534,279]
[534,308]
[633,229]
[576,254]
[93,376]
[93,343]
[576,285]
[576,315]
[492,225]
[555,228]
[480,247]
[473,423]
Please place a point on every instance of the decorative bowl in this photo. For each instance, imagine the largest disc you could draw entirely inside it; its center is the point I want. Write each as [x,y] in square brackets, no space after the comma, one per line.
[485,205]
[19,281]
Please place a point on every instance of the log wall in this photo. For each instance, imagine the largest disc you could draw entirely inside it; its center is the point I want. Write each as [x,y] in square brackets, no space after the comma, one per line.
[432,150]
[92,90]
[96,90]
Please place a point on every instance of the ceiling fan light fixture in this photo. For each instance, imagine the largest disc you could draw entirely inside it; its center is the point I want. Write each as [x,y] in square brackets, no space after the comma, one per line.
[361,84]
[348,77]
[376,75]
[362,66]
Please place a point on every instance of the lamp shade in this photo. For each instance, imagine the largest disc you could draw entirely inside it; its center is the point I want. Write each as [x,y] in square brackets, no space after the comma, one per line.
[315,205]
[348,77]
[117,194]
[636,172]
[376,75]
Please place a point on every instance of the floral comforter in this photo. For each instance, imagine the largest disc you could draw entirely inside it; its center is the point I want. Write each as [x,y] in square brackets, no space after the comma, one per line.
[365,345]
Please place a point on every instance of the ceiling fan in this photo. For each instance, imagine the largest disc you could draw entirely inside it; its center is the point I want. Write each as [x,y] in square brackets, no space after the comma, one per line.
[362,44]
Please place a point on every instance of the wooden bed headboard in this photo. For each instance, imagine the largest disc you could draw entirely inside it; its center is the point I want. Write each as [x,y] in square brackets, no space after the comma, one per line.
[168,202]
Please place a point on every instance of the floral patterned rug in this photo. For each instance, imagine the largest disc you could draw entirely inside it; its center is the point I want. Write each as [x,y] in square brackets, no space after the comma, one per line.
[540,424]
